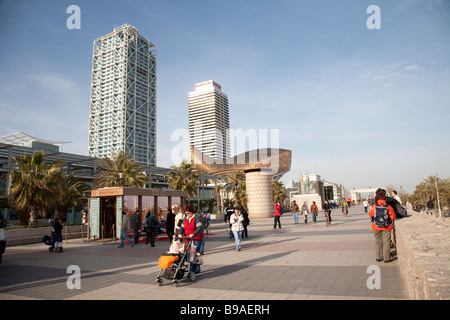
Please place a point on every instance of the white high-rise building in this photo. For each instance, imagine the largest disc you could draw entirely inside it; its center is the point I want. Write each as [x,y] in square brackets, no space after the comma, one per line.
[123,96]
[209,120]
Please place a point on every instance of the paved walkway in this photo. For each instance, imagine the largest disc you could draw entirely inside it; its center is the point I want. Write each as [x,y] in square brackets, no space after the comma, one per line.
[296,262]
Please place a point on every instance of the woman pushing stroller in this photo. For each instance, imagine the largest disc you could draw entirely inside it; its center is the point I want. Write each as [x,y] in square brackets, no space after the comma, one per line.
[191,227]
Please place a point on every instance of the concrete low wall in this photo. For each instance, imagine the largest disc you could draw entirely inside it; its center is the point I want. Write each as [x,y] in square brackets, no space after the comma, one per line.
[423,244]
[15,237]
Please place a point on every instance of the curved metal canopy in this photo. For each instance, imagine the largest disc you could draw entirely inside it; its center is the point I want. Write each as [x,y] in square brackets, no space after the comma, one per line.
[273,160]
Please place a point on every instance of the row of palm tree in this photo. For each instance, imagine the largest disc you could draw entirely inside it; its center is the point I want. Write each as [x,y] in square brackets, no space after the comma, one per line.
[426,193]
[39,186]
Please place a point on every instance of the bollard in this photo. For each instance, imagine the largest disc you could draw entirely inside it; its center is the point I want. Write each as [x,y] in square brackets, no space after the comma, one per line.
[66,234]
[102,234]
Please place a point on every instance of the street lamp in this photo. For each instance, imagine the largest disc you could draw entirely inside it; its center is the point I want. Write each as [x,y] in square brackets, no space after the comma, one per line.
[437,195]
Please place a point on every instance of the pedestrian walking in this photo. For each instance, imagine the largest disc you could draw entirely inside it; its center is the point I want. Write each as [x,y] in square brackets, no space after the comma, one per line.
[245,223]
[344,205]
[237,227]
[57,233]
[228,213]
[152,223]
[327,210]
[170,224]
[305,211]
[382,216]
[295,209]
[123,230]
[277,215]
[135,225]
[191,227]
[366,205]
[179,220]
[314,209]
[147,228]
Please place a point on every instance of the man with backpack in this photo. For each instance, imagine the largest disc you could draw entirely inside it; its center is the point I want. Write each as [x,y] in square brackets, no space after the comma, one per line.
[382,216]
[152,223]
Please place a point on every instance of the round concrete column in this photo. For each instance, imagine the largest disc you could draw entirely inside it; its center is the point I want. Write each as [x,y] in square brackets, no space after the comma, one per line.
[259,194]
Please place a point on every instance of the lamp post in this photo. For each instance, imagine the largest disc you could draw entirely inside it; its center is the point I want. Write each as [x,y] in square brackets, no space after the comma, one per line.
[437,194]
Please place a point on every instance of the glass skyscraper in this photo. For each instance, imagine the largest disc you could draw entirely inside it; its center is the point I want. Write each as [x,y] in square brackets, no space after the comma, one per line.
[209,121]
[123,96]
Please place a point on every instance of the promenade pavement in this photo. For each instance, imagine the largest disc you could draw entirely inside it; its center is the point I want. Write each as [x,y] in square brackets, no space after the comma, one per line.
[296,262]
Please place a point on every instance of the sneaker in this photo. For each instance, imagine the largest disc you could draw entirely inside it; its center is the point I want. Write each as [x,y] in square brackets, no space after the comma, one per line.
[120,246]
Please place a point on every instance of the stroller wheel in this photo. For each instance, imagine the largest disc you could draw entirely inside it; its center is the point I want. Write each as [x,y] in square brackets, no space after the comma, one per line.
[159,282]
[50,249]
[175,283]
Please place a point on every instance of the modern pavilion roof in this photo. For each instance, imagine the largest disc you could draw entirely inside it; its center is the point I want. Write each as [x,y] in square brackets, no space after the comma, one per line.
[20,138]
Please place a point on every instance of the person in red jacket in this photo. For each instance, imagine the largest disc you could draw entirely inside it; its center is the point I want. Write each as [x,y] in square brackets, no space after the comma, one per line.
[192,228]
[277,215]
[382,230]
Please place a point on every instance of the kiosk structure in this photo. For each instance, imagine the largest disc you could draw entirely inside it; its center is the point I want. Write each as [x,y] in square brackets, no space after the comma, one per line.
[106,206]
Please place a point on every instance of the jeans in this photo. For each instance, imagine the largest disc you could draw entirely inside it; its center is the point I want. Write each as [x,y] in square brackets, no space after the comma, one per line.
[123,237]
[295,215]
[314,214]
[201,245]
[237,239]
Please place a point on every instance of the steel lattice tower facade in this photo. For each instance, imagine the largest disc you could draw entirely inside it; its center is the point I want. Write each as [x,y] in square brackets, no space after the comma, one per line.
[209,121]
[123,96]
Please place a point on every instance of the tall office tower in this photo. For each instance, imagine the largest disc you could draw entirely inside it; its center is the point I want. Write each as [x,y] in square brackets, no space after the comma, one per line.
[209,120]
[123,96]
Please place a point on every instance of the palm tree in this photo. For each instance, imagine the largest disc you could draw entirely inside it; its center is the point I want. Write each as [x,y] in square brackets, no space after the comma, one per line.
[209,203]
[120,171]
[33,184]
[422,192]
[72,192]
[183,178]
[236,185]
[444,192]
[240,195]
[218,189]
[235,179]
[278,191]
[228,203]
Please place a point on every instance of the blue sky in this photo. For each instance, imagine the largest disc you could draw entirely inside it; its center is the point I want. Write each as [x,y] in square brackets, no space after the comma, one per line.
[357,106]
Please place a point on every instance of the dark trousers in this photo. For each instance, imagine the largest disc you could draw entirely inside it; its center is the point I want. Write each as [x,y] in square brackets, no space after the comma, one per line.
[275,220]
[169,232]
[151,236]
[136,236]
[244,232]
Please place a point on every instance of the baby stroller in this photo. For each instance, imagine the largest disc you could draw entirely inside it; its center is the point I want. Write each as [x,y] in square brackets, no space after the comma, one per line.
[53,241]
[176,261]
[49,240]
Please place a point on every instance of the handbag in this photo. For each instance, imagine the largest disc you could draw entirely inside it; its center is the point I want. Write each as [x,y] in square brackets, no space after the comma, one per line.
[198,260]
